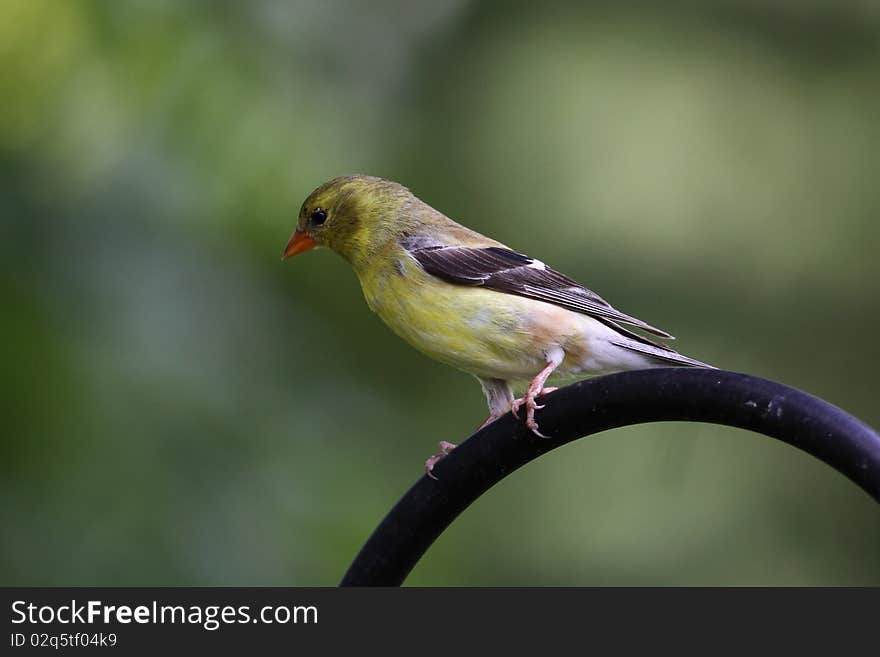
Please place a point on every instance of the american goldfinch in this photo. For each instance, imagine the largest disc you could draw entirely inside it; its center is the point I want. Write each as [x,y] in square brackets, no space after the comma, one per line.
[469,301]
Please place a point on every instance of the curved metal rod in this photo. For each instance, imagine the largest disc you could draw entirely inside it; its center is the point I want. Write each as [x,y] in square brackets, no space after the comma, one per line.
[587,407]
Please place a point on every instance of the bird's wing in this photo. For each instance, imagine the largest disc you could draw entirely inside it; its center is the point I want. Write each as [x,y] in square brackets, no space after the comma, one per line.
[501,269]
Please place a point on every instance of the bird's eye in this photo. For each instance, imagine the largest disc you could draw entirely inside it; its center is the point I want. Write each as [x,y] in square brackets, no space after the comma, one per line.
[318,216]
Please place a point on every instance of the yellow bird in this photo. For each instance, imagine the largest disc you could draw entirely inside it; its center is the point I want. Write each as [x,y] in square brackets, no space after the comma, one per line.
[469,301]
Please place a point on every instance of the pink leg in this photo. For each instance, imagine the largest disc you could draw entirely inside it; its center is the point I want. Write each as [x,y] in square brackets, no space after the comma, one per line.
[445,448]
[536,389]
[489,420]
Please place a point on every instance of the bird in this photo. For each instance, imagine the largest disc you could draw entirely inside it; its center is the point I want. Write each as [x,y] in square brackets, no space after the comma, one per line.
[470,301]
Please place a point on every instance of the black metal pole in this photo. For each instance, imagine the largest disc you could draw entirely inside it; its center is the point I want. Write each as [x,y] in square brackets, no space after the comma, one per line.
[588,407]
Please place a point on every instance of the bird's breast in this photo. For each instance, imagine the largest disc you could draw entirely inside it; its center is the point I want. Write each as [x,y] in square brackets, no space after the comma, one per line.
[486,333]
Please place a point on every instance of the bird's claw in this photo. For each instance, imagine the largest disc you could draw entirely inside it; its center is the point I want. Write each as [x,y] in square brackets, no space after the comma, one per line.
[528,400]
[445,448]
[514,406]
[533,427]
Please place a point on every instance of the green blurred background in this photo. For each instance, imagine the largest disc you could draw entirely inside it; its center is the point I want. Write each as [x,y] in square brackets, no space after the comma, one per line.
[181,408]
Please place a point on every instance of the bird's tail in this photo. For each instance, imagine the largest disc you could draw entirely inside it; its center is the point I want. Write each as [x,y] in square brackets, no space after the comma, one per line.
[639,344]
[662,354]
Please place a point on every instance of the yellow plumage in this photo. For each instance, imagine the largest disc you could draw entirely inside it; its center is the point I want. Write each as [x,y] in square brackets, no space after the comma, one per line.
[475,330]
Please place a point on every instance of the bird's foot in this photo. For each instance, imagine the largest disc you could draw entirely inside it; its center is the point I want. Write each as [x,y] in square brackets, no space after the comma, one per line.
[445,448]
[528,400]
[489,420]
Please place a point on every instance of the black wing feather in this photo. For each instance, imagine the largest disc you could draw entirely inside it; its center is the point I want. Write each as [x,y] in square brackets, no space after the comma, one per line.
[507,271]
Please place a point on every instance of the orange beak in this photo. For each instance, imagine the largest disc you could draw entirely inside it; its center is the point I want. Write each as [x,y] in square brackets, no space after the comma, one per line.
[298,243]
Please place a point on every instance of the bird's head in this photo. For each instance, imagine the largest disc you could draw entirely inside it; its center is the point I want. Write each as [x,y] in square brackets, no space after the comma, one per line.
[353,215]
